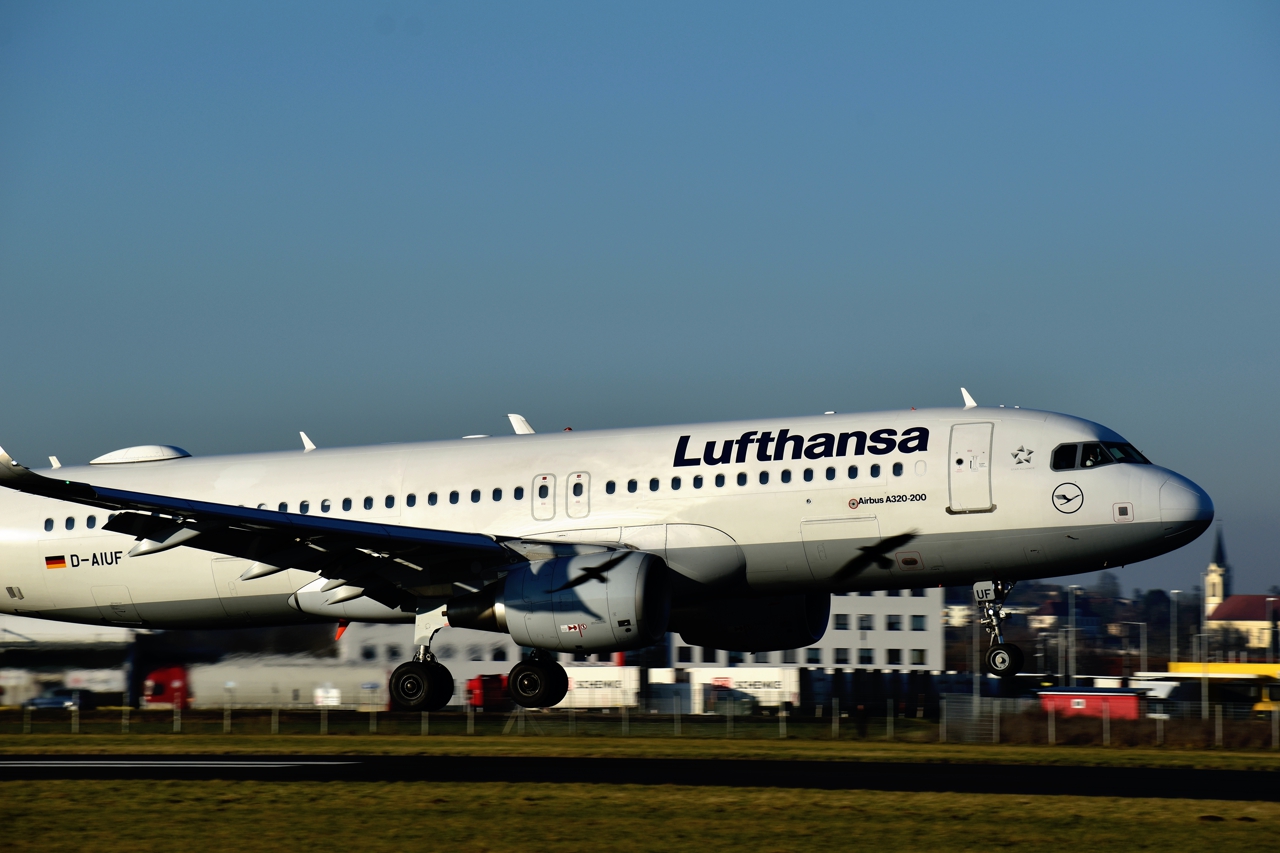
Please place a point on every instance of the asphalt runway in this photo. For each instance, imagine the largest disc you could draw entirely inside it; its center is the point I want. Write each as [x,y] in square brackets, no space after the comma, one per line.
[733,773]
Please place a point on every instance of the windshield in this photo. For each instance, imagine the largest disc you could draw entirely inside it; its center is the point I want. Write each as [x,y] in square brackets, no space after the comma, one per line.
[1095,453]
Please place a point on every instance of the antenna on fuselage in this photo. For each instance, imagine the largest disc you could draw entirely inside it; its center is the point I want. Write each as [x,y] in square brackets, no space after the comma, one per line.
[53,461]
[307,444]
[968,401]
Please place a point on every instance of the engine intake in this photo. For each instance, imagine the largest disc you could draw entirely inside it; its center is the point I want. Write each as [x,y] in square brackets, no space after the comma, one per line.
[588,602]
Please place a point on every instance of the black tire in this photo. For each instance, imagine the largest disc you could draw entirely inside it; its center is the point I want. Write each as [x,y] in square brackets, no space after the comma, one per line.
[531,684]
[560,680]
[441,689]
[1004,660]
[410,686]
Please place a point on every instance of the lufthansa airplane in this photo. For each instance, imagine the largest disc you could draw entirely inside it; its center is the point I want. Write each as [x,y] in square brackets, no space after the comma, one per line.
[734,535]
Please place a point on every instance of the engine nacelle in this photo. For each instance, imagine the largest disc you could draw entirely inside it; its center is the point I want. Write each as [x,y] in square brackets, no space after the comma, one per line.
[608,601]
[754,624]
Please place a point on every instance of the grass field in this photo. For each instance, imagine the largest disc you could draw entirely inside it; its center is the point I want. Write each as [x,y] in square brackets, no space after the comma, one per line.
[143,816]
[670,747]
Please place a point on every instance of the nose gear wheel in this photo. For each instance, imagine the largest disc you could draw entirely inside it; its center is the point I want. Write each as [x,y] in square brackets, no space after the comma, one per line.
[1002,659]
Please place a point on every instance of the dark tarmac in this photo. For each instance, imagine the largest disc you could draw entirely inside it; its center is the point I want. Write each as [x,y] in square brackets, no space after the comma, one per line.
[733,773]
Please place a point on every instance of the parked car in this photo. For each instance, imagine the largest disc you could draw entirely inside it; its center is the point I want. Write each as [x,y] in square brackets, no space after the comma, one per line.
[63,698]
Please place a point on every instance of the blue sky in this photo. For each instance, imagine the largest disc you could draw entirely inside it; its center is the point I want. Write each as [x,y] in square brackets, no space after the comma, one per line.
[223,223]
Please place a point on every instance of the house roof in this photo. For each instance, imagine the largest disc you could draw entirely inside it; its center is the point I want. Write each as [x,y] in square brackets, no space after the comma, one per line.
[1246,608]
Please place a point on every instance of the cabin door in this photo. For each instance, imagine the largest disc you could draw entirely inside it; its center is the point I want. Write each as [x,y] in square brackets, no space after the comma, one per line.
[971,468]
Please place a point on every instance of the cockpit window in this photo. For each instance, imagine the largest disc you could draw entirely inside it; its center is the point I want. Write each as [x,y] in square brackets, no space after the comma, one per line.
[1064,457]
[1125,453]
[1092,455]
[1096,453]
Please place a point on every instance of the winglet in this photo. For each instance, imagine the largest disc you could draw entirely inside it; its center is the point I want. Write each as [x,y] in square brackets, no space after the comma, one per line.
[307,444]
[520,425]
[968,401]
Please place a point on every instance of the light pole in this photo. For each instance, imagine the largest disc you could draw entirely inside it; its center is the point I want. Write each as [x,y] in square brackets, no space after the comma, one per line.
[1271,639]
[1071,660]
[1173,627]
[1142,635]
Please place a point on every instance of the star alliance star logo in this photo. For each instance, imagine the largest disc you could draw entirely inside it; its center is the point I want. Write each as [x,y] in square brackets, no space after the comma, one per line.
[1022,455]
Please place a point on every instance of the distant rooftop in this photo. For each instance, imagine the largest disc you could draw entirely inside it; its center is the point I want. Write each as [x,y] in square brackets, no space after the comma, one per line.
[1245,608]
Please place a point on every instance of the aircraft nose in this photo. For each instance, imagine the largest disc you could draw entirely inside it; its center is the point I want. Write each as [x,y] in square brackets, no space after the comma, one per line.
[1184,507]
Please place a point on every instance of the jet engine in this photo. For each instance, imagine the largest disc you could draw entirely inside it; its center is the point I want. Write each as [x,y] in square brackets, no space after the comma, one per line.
[607,601]
[754,624]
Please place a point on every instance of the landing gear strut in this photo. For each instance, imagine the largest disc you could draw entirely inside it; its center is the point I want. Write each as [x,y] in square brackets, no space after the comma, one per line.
[538,682]
[1002,659]
[423,684]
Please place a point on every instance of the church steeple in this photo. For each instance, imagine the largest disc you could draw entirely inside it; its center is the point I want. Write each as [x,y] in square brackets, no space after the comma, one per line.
[1217,580]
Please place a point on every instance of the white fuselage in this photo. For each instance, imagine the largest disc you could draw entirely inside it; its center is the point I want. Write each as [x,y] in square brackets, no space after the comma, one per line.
[974,488]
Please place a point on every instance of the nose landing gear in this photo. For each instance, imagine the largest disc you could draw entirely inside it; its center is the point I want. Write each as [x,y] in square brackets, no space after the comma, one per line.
[538,682]
[1002,659]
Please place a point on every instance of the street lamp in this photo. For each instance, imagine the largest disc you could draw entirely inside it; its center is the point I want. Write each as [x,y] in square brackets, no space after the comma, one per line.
[1142,626]
[1071,660]
[1271,639]
[1173,627]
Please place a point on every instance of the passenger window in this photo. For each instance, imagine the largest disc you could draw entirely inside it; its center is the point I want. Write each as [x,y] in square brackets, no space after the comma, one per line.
[262,506]
[653,484]
[764,478]
[697,481]
[808,475]
[410,500]
[325,505]
[71,523]
[1092,455]
[368,502]
[831,473]
[875,471]
[453,497]
[475,496]
[1064,458]
[719,481]
[632,485]
[786,475]
[518,493]
[497,495]
[431,499]
[304,507]
[610,487]
[742,478]
[48,525]
[346,504]
[543,491]
[577,490]
[390,501]
[91,522]
[283,507]
[853,472]
[675,484]
[897,469]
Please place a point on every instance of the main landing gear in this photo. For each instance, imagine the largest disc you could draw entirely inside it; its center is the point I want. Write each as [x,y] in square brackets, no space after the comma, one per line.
[422,684]
[538,682]
[1002,659]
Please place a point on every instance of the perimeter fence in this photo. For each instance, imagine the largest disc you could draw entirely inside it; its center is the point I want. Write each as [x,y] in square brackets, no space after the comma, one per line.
[960,720]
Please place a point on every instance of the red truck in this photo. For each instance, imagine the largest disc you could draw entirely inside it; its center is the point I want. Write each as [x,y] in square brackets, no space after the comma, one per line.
[489,691]
[166,687]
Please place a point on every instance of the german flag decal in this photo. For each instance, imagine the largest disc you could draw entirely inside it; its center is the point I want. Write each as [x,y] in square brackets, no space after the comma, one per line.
[55,562]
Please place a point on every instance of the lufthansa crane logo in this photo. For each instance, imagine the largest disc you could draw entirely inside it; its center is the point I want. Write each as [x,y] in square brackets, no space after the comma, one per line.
[1068,498]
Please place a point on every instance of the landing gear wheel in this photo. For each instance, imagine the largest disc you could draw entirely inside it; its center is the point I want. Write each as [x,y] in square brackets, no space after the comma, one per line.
[421,686]
[1004,660]
[533,683]
[561,687]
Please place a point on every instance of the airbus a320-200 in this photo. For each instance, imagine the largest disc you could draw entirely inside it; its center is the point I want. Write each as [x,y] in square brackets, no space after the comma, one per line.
[734,535]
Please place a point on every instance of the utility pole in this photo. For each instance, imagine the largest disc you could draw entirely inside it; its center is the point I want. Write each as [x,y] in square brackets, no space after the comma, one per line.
[1173,627]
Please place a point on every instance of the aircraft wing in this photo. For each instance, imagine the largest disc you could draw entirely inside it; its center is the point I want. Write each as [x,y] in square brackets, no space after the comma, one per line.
[391,564]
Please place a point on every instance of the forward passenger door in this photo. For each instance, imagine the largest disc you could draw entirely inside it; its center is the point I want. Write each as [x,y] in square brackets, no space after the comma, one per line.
[970,463]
